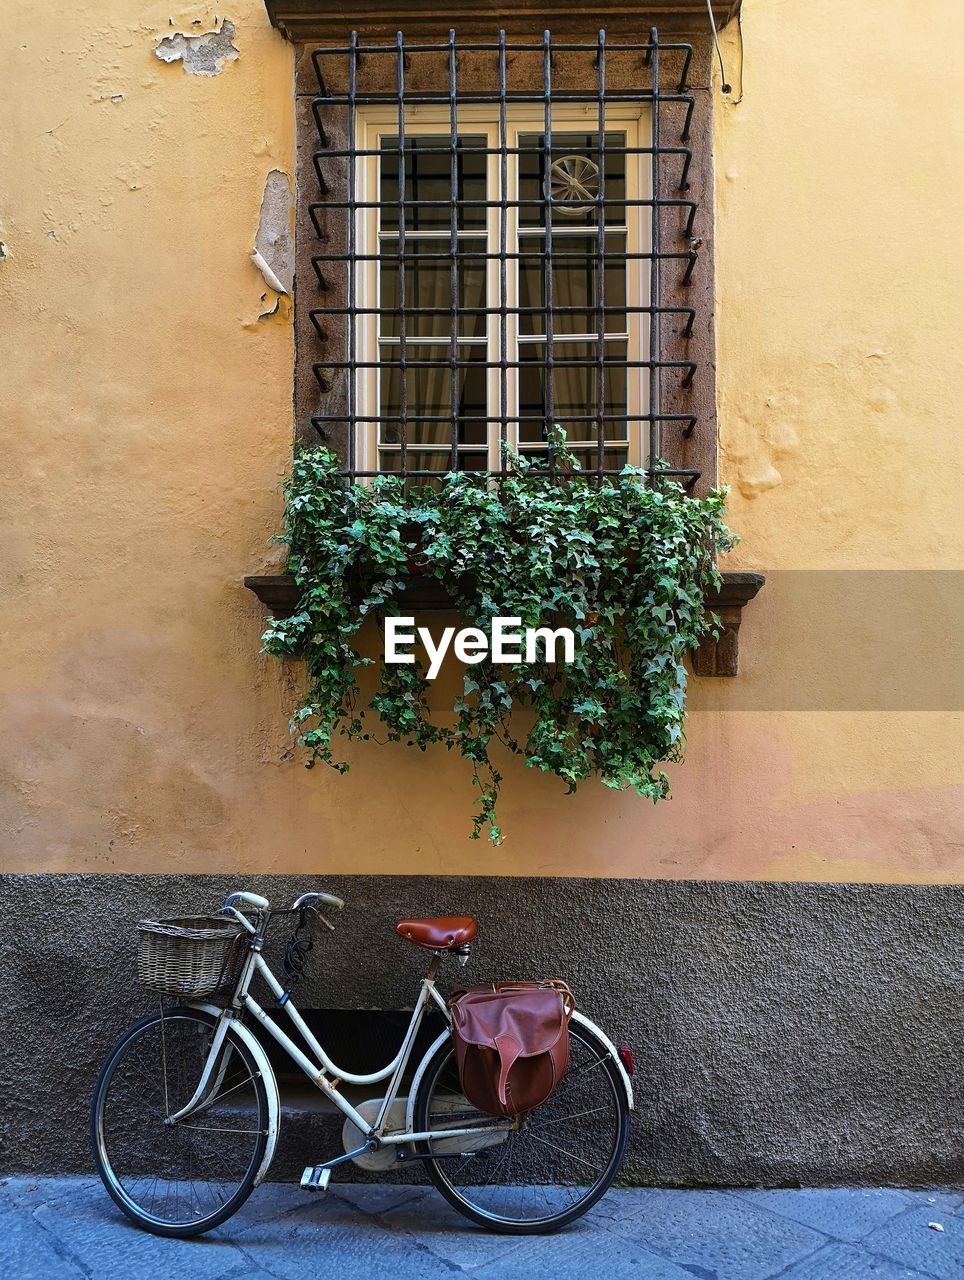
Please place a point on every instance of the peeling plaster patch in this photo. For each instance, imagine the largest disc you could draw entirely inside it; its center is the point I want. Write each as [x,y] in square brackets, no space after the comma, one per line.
[270,279]
[272,245]
[200,55]
[273,249]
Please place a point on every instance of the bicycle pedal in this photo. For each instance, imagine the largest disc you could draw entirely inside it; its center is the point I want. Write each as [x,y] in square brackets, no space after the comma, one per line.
[315,1178]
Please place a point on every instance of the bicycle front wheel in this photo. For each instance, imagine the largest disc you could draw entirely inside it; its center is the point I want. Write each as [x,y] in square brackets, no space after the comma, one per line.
[183,1178]
[546,1169]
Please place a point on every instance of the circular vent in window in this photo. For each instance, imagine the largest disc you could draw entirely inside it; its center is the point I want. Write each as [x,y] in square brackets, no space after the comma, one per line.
[572,181]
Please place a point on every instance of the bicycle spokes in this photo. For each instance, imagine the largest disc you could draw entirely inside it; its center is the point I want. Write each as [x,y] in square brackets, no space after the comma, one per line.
[185,1172]
[551,1162]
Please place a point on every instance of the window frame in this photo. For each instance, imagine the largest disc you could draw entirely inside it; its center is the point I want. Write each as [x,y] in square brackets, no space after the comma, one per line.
[372,123]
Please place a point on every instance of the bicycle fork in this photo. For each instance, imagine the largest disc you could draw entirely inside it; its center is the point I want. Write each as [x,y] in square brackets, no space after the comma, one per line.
[217,1043]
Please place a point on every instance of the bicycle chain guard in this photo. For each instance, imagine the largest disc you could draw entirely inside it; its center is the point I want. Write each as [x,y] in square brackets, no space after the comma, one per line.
[352,1137]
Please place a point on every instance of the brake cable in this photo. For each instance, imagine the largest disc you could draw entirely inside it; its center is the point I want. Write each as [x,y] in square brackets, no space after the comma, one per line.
[296,950]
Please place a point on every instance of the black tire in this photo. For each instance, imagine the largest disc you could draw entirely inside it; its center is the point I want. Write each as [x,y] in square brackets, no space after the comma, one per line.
[607,1079]
[107,1119]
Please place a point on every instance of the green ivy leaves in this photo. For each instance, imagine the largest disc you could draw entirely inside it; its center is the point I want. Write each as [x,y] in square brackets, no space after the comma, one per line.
[624,565]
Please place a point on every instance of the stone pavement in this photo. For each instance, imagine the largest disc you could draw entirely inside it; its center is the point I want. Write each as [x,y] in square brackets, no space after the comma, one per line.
[67,1227]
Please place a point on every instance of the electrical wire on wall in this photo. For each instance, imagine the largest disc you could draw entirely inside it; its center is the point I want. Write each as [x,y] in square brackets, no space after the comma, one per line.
[726,86]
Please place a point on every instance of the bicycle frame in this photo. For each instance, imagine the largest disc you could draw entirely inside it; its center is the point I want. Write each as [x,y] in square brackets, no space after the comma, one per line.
[320,1067]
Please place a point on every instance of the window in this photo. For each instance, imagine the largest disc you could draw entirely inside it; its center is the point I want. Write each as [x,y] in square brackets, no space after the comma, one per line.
[452,357]
[502,255]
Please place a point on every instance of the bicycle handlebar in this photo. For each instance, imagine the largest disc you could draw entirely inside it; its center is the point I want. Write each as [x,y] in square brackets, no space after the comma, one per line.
[250,899]
[306,900]
[311,899]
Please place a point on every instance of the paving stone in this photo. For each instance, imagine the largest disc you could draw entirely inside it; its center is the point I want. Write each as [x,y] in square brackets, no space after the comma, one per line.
[908,1239]
[91,1229]
[53,1228]
[28,1253]
[355,1250]
[377,1198]
[286,1206]
[581,1253]
[450,1236]
[315,1212]
[276,1202]
[848,1262]
[718,1233]
[30,1193]
[624,1203]
[943,1200]
[844,1213]
[248,1270]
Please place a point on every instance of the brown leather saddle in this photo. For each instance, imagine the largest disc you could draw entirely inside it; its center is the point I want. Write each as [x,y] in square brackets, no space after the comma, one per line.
[440,933]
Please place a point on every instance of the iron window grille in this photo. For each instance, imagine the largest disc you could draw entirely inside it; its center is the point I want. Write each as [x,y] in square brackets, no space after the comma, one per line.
[446,216]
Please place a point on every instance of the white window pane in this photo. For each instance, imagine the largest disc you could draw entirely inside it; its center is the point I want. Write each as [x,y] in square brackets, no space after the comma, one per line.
[575,390]
[575,271]
[428,284]
[574,178]
[428,177]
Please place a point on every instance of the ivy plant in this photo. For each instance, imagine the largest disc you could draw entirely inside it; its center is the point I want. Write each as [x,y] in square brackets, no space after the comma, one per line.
[625,565]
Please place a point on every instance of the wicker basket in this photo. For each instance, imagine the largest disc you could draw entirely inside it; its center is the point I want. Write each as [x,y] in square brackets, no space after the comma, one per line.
[190,956]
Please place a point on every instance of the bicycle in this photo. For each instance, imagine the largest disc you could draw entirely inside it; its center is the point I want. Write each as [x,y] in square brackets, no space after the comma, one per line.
[186,1110]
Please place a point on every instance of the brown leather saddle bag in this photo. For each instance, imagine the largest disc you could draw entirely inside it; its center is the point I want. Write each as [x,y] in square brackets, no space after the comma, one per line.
[511,1043]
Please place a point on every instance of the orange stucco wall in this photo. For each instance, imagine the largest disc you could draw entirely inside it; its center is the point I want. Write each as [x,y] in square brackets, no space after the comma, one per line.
[148,422]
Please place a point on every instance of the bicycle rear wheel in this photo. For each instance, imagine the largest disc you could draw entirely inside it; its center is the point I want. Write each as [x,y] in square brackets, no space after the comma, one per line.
[548,1171]
[184,1178]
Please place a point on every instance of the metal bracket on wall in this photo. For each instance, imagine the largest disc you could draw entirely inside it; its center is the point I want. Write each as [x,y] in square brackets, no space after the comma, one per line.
[714,657]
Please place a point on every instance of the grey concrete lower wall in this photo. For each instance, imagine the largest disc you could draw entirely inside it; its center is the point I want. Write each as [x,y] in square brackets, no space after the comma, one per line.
[783,1033]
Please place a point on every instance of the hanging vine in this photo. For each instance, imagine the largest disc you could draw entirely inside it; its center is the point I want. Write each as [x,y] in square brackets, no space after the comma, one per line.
[625,566]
